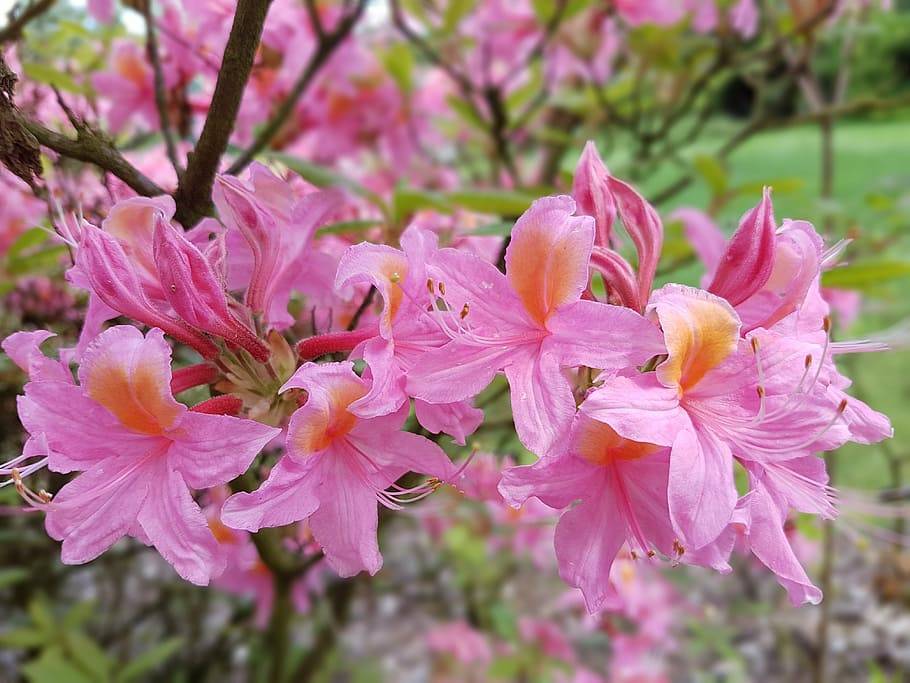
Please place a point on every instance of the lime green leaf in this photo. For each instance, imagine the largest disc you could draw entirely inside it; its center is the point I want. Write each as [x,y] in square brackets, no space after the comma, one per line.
[406,201]
[23,638]
[466,112]
[40,611]
[399,62]
[456,10]
[865,275]
[150,660]
[502,228]
[713,173]
[88,656]
[501,202]
[51,75]
[12,576]
[344,227]
[324,177]
[39,261]
[52,667]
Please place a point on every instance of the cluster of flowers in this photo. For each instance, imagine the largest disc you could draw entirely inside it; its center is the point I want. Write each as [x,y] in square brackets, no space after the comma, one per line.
[641,405]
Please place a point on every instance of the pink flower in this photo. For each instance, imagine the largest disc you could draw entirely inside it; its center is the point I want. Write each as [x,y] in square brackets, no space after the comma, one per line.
[465,644]
[530,323]
[547,637]
[336,469]
[140,451]
[622,485]
[404,333]
[130,87]
[603,197]
[270,234]
[139,265]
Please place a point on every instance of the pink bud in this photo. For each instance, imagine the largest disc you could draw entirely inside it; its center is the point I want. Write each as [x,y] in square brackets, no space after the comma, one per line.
[592,194]
[240,210]
[622,289]
[748,260]
[226,404]
[113,278]
[644,227]
[192,288]
[192,376]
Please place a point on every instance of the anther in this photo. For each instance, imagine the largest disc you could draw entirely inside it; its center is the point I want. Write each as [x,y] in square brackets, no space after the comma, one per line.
[442,288]
[754,342]
[808,362]
[760,390]
[826,325]
[430,288]
[464,311]
[633,554]
[651,553]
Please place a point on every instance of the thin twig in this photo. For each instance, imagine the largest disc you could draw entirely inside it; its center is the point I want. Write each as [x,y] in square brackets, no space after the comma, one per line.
[154,56]
[13,30]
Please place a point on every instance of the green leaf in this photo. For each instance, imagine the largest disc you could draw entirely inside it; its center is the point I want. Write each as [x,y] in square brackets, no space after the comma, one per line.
[502,228]
[88,656]
[324,177]
[12,576]
[52,667]
[866,275]
[79,614]
[406,201]
[500,202]
[778,185]
[456,10]
[23,638]
[39,261]
[713,173]
[149,660]
[344,227]
[40,611]
[399,62]
[27,240]
[466,112]
[51,75]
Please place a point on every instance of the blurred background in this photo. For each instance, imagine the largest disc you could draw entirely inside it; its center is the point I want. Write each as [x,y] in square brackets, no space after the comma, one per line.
[455,114]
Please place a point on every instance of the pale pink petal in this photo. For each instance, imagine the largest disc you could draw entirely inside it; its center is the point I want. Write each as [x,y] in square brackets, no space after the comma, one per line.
[557,480]
[542,401]
[346,523]
[547,258]
[638,407]
[386,394]
[177,528]
[459,419]
[24,348]
[456,371]
[78,430]
[587,540]
[769,544]
[97,508]
[701,493]
[398,453]
[287,496]
[213,449]
[706,238]
[614,337]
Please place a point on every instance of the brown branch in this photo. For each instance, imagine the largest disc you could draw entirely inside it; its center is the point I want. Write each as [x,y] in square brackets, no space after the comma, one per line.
[326,46]
[13,30]
[90,147]
[154,57]
[194,191]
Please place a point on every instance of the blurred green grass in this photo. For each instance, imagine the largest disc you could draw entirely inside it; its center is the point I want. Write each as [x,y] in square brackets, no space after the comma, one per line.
[872,158]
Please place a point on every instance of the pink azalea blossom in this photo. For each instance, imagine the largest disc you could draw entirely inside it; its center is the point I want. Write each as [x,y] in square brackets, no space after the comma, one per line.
[404,331]
[528,323]
[269,238]
[139,450]
[458,639]
[622,485]
[337,469]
